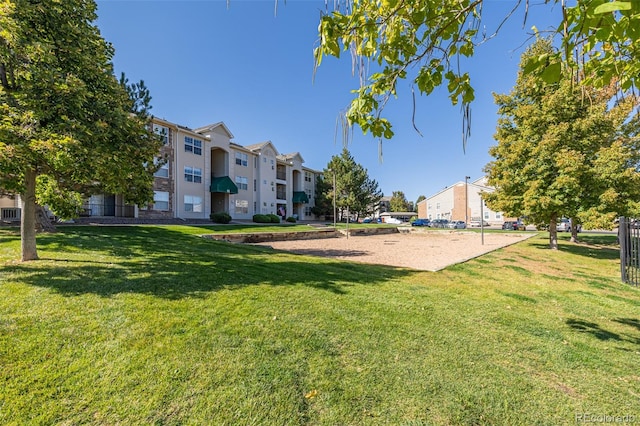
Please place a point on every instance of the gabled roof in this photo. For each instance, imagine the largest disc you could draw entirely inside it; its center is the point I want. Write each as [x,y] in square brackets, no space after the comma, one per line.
[211,127]
[475,184]
[260,146]
[291,156]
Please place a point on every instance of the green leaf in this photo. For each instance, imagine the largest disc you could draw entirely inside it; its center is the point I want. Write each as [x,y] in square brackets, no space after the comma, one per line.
[552,73]
[612,7]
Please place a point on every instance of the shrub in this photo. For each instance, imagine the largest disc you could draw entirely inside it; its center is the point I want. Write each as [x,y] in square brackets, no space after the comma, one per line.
[261,218]
[274,218]
[220,217]
[291,219]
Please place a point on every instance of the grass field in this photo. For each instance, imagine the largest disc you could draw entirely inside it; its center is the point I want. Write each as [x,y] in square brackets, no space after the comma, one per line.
[154,325]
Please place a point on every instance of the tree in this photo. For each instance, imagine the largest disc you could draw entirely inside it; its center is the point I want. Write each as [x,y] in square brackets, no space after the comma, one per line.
[323,205]
[420,198]
[553,141]
[398,202]
[394,37]
[68,126]
[354,189]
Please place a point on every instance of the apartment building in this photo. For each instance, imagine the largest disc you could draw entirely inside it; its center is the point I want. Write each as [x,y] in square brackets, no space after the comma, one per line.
[10,209]
[460,201]
[203,171]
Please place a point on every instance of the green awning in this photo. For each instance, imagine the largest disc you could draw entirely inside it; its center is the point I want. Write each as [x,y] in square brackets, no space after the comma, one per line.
[300,197]
[223,184]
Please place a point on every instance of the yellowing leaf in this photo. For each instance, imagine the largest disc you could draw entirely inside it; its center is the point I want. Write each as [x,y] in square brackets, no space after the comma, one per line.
[311,394]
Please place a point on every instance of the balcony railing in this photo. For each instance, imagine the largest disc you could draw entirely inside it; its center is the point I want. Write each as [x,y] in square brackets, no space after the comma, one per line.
[10,214]
[116,210]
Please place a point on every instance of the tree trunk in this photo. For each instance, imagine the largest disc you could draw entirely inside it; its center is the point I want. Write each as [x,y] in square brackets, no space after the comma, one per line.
[28,217]
[574,230]
[553,232]
[43,222]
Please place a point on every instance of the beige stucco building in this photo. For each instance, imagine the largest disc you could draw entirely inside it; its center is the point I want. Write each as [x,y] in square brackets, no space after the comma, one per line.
[204,171]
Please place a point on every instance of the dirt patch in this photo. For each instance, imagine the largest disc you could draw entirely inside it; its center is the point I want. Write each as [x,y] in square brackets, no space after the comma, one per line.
[427,251]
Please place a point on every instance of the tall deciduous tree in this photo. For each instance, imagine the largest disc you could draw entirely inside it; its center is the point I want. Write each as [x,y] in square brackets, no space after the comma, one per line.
[398,202]
[354,189]
[420,40]
[67,126]
[552,142]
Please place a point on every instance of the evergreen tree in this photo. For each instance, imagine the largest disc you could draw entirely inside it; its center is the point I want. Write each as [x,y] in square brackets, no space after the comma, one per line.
[355,191]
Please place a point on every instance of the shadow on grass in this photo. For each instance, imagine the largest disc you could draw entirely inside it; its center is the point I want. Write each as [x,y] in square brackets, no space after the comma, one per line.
[593,329]
[170,264]
[593,246]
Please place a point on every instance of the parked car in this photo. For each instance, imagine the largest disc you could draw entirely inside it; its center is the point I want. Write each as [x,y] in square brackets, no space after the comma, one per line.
[368,220]
[514,225]
[439,223]
[393,221]
[478,223]
[421,222]
[564,225]
[457,224]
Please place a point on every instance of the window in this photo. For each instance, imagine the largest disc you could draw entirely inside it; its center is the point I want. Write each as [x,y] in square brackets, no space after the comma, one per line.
[486,215]
[307,177]
[242,207]
[498,215]
[255,185]
[163,132]
[307,211]
[193,174]
[437,206]
[192,145]
[192,204]
[163,171]
[242,182]
[242,159]
[160,200]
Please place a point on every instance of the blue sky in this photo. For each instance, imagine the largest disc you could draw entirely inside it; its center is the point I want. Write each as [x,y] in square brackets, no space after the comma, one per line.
[244,65]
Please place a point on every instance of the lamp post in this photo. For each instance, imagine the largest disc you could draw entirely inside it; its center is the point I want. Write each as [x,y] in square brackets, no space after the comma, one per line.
[466,199]
[335,212]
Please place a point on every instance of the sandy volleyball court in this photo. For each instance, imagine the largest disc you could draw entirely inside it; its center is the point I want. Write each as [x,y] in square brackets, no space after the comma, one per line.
[427,251]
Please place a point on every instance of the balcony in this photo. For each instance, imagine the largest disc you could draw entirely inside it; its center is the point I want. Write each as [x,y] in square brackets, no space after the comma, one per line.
[10,214]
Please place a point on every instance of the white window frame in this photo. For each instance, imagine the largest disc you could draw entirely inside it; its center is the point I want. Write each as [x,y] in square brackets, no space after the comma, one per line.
[163,132]
[242,159]
[163,171]
[192,204]
[159,200]
[192,174]
[241,207]
[192,145]
[242,182]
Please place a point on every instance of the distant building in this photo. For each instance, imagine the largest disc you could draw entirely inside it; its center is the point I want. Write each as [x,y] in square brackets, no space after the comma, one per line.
[451,203]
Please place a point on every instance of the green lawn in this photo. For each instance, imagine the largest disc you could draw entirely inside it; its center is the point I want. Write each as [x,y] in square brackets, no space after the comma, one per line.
[154,325]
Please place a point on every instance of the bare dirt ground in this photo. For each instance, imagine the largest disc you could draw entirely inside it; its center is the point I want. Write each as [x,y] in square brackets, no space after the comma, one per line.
[427,251]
